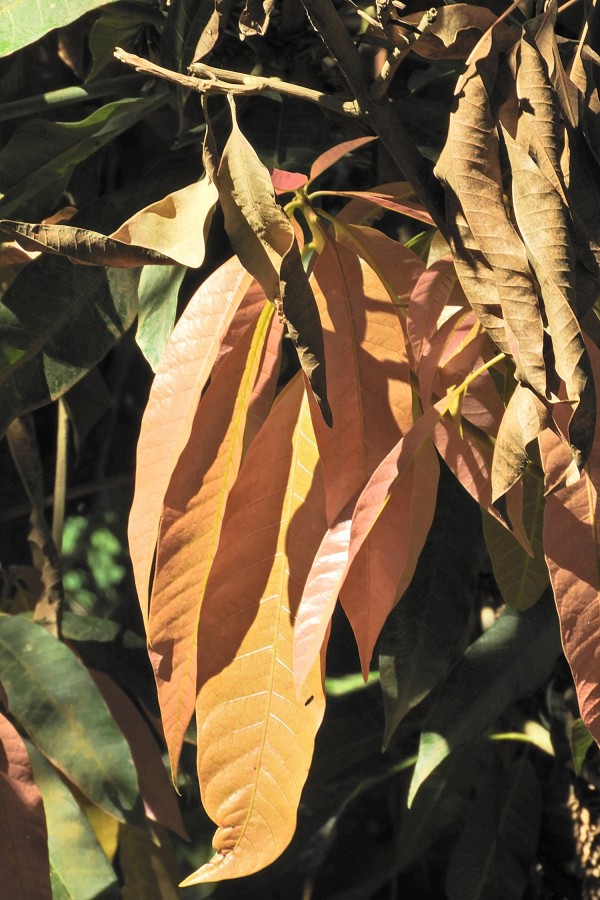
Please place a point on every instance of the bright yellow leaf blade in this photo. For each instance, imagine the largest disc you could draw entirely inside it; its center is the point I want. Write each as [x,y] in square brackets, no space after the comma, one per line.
[255,735]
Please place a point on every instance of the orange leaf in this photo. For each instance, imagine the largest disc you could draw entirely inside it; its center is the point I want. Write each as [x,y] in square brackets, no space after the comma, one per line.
[193,512]
[571,545]
[23,834]
[431,294]
[167,423]
[255,737]
[334,154]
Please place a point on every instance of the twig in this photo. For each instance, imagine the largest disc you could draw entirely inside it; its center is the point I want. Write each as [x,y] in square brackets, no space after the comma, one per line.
[209,80]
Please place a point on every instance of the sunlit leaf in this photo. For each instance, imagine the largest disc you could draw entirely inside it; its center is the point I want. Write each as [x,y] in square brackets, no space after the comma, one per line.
[23,835]
[525,417]
[255,735]
[192,516]
[51,694]
[24,21]
[174,397]
[335,153]
[79,868]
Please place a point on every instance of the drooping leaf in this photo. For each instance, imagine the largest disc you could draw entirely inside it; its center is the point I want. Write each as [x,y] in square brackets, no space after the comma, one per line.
[497,847]
[192,516]
[158,292]
[176,226]
[157,792]
[166,426]
[470,168]
[421,637]
[212,29]
[251,776]
[37,162]
[79,868]
[509,660]
[263,238]
[521,578]
[23,833]
[24,21]
[50,693]
[49,302]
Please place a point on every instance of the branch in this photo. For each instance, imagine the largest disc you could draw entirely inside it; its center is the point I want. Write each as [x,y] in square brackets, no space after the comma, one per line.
[209,80]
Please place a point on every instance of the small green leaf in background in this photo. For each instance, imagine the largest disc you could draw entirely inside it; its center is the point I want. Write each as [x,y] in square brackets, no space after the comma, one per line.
[79,870]
[580,740]
[158,292]
[53,697]
[509,660]
[118,26]
[24,21]
[496,848]
[521,579]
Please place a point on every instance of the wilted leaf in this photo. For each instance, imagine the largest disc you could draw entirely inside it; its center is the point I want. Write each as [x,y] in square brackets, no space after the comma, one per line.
[36,163]
[176,226]
[192,516]
[50,693]
[212,29]
[263,238]
[521,578]
[251,774]
[23,835]
[509,660]
[46,305]
[167,423]
[497,847]
[456,30]
[78,867]
[24,21]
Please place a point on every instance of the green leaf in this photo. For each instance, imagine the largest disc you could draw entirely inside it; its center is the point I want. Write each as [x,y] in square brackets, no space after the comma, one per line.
[580,740]
[117,26]
[37,162]
[24,21]
[521,579]
[158,292]
[510,660]
[497,846]
[88,628]
[79,870]
[421,636]
[56,322]
[185,22]
[55,700]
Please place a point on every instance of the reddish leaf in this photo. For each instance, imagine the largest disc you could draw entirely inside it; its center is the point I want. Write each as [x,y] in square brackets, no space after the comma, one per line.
[285,182]
[431,294]
[331,156]
[255,737]
[158,794]
[190,529]
[406,208]
[174,397]
[23,834]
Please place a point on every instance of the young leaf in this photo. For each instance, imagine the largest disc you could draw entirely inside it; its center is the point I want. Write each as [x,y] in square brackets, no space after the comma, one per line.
[167,423]
[50,693]
[334,154]
[24,21]
[190,528]
[78,866]
[252,774]
[23,836]
[509,660]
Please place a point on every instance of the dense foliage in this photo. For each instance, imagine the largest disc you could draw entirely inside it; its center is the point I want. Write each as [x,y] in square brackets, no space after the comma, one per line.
[306,293]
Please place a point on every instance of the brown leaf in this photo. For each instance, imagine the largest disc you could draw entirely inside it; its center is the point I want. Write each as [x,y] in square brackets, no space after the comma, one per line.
[255,735]
[23,836]
[212,29]
[525,417]
[455,31]
[255,17]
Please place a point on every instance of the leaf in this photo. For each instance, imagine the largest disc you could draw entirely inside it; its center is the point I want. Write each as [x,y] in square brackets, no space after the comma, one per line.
[23,834]
[149,870]
[116,26]
[511,659]
[184,370]
[79,868]
[37,161]
[496,848]
[571,548]
[81,245]
[431,294]
[251,775]
[521,578]
[212,30]
[157,792]
[176,226]
[334,154]
[580,740]
[158,292]
[285,182]
[24,21]
[454,32]
[49,303]
[263,238]
[525,417]
[255,17]
[182,30]
[470,168]
[421,638]
[50,693]
[190,529]
[405,208]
